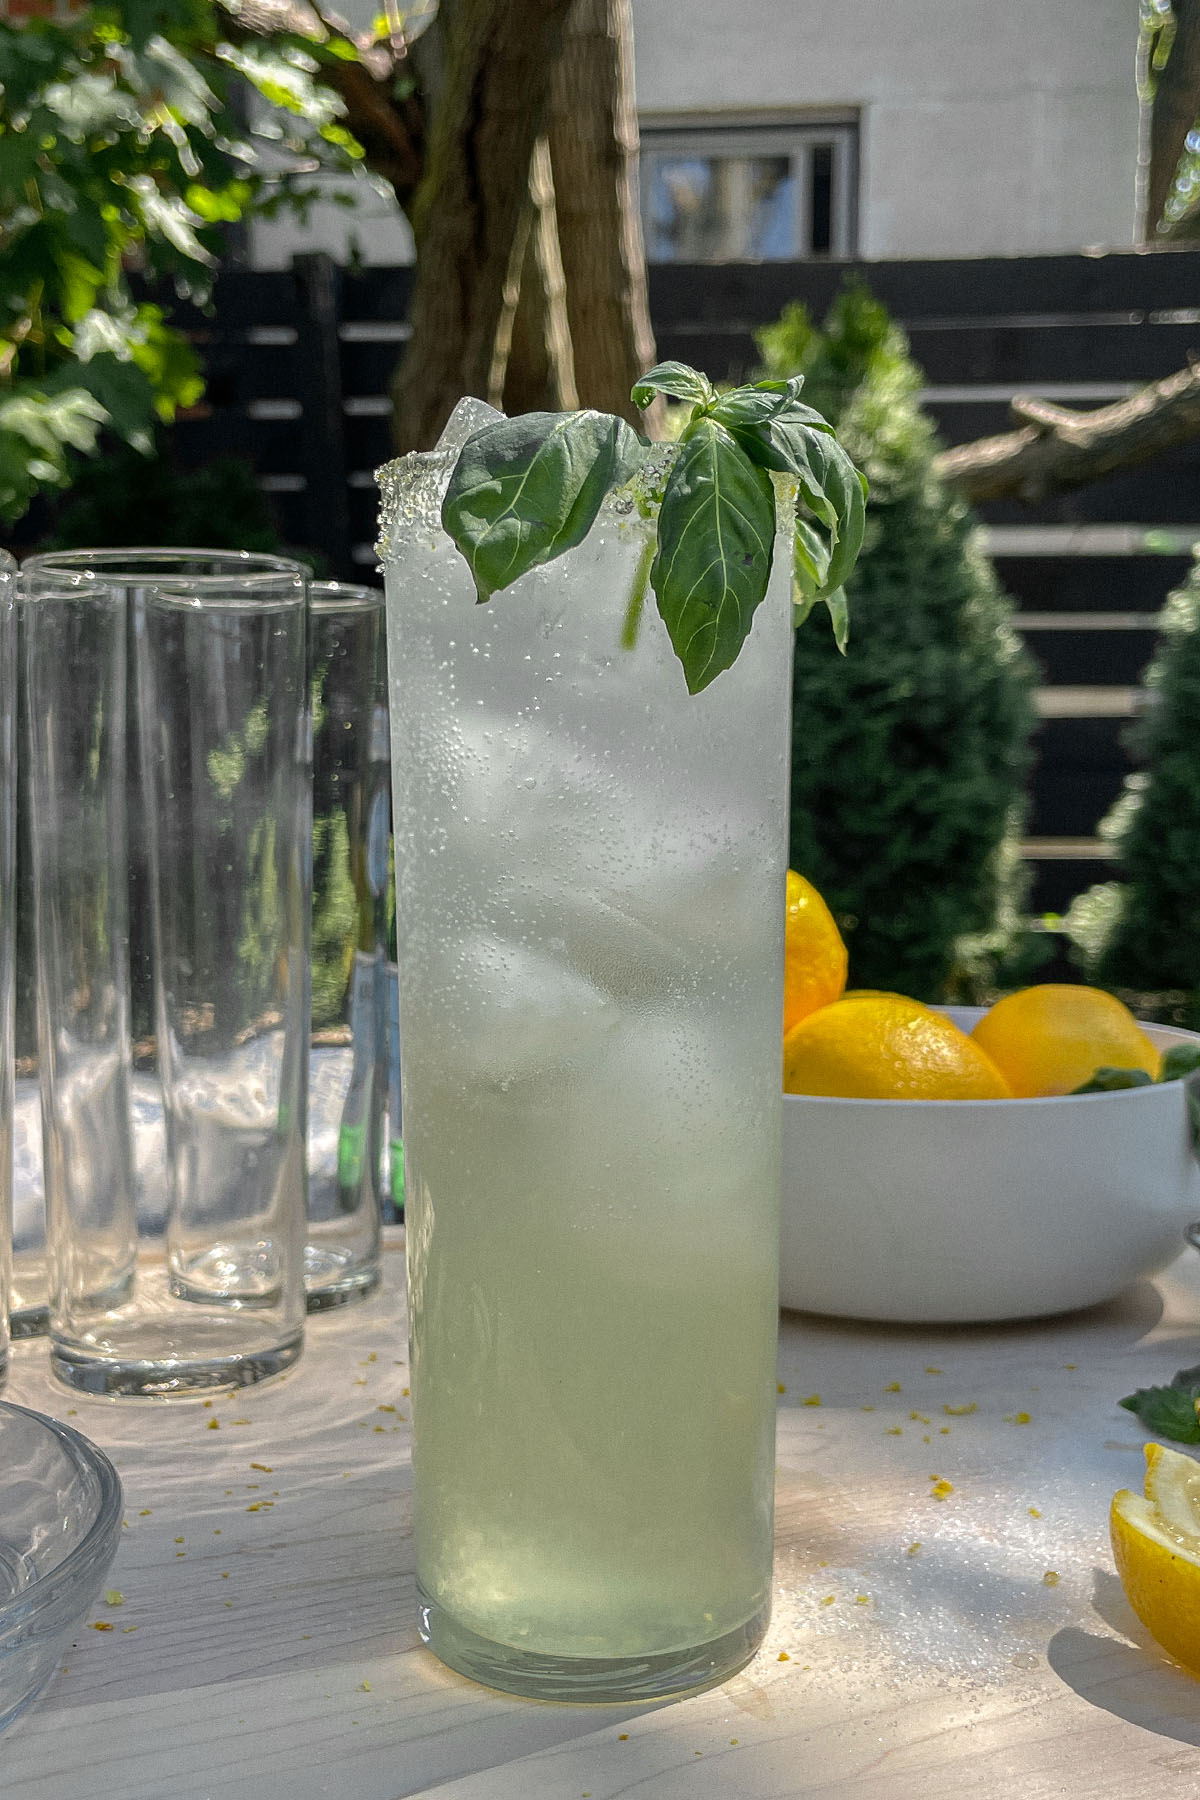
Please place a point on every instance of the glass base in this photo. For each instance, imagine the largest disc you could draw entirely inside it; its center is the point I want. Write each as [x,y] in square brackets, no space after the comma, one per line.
[29,1321]
[333,1276]
[171,1378]
[585,1680]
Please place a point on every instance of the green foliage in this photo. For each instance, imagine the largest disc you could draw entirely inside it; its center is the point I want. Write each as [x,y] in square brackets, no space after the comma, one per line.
[909,754]
[1142,934]
[121,497]
[121,151]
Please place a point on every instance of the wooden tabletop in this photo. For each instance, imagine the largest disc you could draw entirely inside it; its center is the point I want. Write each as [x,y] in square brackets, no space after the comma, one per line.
[921,1647]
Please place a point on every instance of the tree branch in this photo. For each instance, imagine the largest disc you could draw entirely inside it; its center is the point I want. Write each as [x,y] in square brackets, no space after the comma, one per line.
[1057,449]
[533,365]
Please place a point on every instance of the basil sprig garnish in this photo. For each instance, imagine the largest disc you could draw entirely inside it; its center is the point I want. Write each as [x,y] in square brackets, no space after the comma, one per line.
[525,490]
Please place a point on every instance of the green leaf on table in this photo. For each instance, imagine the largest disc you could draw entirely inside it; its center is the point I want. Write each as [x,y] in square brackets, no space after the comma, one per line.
[1170,1411]
[716,532]
[1178,1061]
[1110,1081]
[526,489]
[677,382]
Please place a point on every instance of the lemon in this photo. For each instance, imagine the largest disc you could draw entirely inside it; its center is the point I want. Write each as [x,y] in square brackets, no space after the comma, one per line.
[1156,1544]
[1053,1038]
[886,1047]
[814,957]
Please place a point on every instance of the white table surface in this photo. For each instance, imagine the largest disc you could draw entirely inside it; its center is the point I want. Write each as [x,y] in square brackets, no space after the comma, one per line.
[271,1654]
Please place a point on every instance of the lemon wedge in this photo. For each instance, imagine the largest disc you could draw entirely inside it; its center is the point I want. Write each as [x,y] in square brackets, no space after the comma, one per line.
[1156,1544]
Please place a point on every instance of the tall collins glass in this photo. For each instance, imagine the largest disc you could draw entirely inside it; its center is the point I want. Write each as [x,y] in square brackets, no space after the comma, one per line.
[590,874]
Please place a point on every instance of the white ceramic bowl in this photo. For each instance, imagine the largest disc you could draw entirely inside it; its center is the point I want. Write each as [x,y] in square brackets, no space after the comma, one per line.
[924,1211]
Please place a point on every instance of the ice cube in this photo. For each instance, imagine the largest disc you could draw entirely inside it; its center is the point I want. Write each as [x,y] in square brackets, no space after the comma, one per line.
[469,415]
[411,487]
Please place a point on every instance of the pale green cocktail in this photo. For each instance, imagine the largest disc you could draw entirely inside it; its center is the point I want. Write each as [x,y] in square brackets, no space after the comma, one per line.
[590,880]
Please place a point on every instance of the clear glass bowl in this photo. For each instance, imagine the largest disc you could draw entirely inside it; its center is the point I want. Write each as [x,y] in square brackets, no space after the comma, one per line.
[60,1518]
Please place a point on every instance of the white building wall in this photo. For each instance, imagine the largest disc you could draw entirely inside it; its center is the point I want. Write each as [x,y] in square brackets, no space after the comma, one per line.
[987,127]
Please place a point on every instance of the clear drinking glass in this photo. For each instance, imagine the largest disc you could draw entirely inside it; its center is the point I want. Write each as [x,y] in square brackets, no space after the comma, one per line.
[348,1081]
[8,900]
[589,895]
[74,648]
[195,1279]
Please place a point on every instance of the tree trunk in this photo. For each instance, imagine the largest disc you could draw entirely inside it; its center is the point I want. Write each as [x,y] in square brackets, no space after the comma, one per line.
[1174,109]
[592,128]
[499,55]
[533,367]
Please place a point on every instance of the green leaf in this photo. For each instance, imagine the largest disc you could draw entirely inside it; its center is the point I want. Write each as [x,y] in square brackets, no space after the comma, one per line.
[839,617]
[1111,1081]
[676,380]
[526,489]
[1179,1061]
[812,557]
[1169,1412]
[716,532]
[832,485]
[764,418]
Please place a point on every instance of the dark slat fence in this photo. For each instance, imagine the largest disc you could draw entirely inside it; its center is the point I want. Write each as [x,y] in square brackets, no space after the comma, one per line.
[299,363]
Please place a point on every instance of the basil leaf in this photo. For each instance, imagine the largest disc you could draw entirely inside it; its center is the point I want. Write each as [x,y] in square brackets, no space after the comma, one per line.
[526,489]
[763,421]
[811,555]
[839,617]
[1168,1412]
[1187,1378]
[832,485]
[1111,1081]
[676,380]
[1179,1061]
[716,535]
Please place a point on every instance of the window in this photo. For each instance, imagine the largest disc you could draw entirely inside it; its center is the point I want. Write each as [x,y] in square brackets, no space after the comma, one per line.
[771,190]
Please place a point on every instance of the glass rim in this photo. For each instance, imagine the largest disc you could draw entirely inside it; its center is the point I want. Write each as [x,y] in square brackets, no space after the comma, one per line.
[343,596]
[35,584]
[168,567]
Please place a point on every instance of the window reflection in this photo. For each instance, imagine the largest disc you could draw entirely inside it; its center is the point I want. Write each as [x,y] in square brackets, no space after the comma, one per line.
[722,209]
[729,193]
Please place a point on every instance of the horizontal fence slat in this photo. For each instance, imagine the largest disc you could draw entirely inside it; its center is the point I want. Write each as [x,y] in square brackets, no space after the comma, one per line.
[1090,583]
[1053,886]
[986,287]
[1013,354]
[1155,493]
[1091,658]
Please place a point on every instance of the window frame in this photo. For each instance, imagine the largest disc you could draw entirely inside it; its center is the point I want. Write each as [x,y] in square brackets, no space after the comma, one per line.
[776,133]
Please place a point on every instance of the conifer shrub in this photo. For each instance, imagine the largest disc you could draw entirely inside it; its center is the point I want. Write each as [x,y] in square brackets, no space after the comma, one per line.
[909,754]
[1141,934]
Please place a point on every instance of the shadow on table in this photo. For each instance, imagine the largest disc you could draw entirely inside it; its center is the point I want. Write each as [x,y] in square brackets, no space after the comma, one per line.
[1132,1680]
[1124,1321]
